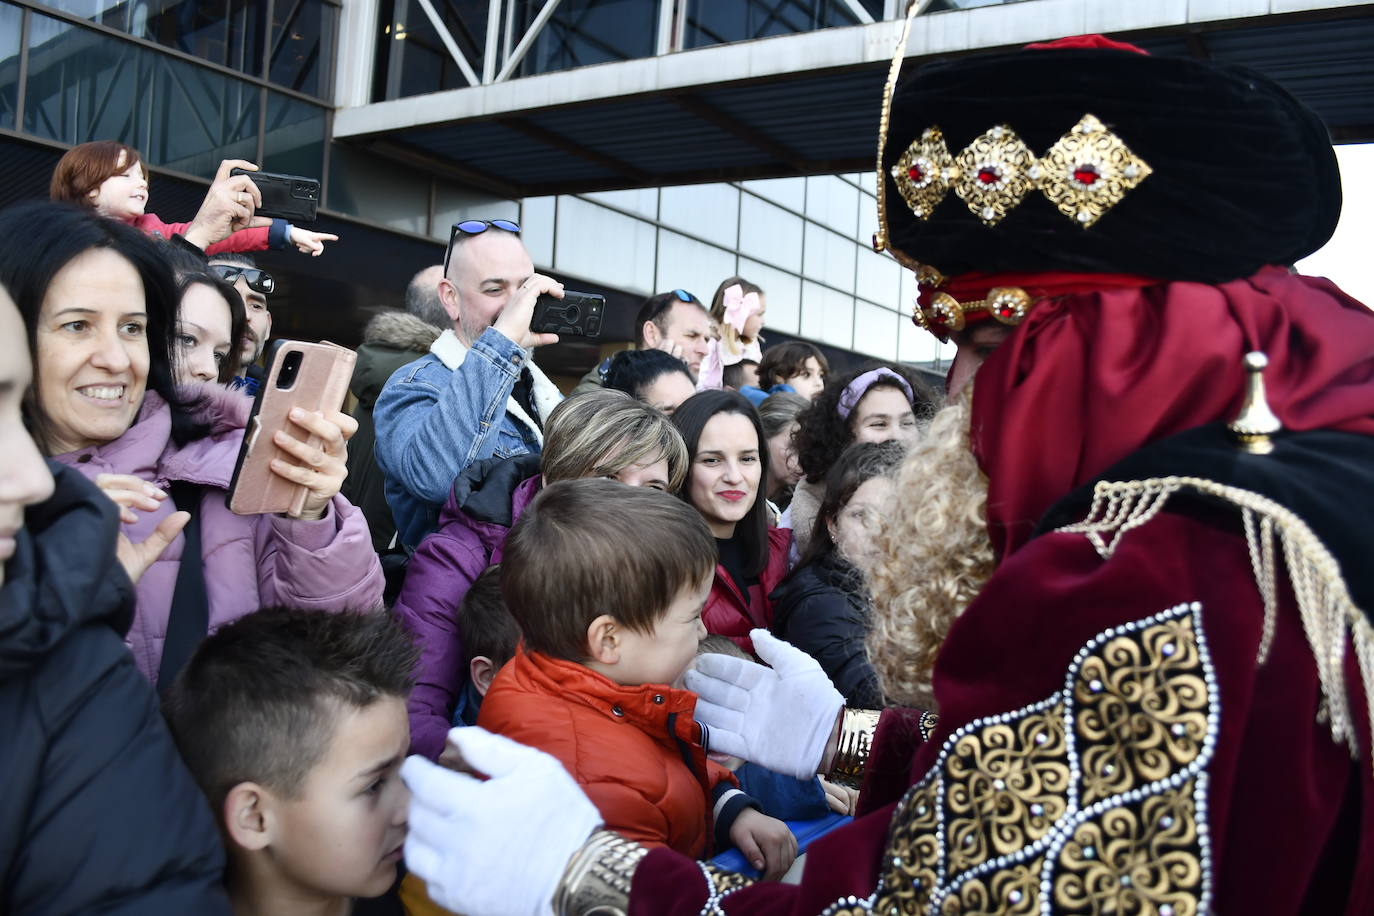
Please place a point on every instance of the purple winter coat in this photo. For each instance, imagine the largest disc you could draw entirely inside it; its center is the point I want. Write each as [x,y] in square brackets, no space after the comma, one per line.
[251,561]
[486,500]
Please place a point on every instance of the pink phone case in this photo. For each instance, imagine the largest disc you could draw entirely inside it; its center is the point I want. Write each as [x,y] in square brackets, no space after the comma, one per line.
[320,385]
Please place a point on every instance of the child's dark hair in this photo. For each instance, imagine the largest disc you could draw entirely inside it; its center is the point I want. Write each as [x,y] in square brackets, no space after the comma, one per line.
[259,699]
[732,376]
[824,434]
[691,418]
[593,546]
[856,466]
[786,360]
[485,625]
[632,371]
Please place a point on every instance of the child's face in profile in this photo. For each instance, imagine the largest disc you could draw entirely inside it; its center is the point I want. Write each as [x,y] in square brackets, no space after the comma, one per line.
[663,656]
[343,835]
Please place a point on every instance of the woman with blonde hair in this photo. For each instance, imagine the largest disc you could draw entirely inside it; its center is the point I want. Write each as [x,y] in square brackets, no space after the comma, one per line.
[601,433]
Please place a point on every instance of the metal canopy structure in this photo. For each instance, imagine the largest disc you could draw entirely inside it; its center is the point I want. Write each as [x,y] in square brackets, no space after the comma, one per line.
[808,103]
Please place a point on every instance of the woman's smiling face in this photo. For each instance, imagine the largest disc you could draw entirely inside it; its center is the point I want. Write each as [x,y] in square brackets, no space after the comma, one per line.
[726,472]
[92,351]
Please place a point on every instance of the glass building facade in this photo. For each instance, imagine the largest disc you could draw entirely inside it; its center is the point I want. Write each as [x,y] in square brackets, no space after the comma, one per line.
[186,83]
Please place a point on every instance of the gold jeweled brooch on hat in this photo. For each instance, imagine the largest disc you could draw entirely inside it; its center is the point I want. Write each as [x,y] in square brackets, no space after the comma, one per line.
[1084,174]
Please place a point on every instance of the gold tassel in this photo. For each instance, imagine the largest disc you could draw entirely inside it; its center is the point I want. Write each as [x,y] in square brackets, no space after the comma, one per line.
[1328,613]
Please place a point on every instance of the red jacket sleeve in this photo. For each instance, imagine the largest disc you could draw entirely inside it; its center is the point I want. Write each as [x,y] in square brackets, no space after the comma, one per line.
[243,240]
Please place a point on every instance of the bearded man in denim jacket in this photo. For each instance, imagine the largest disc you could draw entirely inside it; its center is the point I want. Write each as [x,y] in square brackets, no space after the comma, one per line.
[477,394]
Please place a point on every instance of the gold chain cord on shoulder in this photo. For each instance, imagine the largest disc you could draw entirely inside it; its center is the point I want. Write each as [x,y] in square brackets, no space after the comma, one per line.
[1329,615]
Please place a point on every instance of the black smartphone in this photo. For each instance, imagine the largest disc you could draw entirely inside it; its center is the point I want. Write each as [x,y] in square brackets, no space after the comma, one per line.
[575,315]
[288,197]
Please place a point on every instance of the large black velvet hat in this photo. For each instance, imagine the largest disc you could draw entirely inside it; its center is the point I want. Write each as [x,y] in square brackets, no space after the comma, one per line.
[1171,168]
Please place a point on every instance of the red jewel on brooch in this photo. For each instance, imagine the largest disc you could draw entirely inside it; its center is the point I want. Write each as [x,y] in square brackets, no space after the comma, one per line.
[1086,175]
[915,174]
[989,175]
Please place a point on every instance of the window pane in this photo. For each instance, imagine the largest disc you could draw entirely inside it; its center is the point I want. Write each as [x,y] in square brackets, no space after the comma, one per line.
[617,250]
[582,32]
[227,32]
[375,189]
[711,22]
[710,211]
[10,20]
[303,36]
[412,59]
[294,142]
[83,86]
[770,234]
[685,263]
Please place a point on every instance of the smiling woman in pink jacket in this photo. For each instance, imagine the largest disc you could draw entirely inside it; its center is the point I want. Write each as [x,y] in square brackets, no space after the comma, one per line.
[99,305]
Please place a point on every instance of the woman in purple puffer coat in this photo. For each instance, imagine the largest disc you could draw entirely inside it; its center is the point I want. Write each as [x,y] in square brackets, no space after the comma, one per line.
[99,304]
[599,433]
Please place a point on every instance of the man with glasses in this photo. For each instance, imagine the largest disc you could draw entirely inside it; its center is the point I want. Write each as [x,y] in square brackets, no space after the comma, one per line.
[675,322]
[477,394]
[253,286]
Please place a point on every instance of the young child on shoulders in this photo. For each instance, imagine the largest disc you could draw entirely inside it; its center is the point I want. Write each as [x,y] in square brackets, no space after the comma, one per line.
[294,725]
[607,583]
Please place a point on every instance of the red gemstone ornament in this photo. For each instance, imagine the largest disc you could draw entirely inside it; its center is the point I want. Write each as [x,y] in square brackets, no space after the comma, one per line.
[915,174]
[1085,174]
[988,175]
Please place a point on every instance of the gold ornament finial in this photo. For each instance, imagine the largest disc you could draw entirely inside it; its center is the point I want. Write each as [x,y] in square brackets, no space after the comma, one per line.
[1255,423]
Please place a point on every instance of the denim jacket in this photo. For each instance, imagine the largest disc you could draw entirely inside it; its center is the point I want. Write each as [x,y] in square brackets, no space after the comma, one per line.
[446,410]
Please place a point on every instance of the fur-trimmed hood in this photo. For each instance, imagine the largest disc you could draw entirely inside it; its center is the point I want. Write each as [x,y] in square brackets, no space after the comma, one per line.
[400,330]
[390,341]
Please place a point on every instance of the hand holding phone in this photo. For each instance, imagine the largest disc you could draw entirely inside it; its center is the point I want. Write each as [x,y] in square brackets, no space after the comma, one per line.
[514,320]
[294,448]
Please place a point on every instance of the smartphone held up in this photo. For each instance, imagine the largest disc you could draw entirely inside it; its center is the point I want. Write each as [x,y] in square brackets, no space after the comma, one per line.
[311,376]
[575,315]
[288,197]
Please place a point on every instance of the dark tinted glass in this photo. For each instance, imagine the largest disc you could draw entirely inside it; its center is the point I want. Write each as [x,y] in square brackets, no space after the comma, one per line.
[711,22]
[11,18]
[227,32]
[411,57]
[582,32]
[84,86]
[294,142]
[303,41]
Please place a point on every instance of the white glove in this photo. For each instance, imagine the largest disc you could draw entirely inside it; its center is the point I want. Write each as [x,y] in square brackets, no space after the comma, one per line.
[779,717]
[499,847]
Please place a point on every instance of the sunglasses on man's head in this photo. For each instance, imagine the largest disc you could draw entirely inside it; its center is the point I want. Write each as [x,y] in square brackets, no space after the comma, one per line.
[476,227]
[258,280]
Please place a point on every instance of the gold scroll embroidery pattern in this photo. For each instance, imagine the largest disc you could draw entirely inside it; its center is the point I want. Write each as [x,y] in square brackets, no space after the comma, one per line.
[1090,801]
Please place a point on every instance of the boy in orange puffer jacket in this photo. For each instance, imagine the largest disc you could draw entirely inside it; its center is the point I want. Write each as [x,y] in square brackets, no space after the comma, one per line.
[607,583]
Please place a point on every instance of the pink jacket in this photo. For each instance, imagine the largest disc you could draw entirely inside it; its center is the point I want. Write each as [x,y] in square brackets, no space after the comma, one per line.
[250,561]
[243,240]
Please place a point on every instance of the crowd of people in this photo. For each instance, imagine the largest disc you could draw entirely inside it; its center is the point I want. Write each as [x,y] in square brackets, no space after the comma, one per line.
[1087,631]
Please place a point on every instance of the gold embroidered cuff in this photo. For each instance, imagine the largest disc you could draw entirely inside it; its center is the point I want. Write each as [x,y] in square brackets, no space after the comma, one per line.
[597,879]
[856,739]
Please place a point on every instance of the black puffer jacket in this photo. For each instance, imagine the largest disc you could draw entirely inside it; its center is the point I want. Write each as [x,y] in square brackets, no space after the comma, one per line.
[821,608]
[99,813]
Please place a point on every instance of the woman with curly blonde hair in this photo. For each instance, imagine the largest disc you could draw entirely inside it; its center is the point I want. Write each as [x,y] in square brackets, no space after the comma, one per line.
[941,532]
